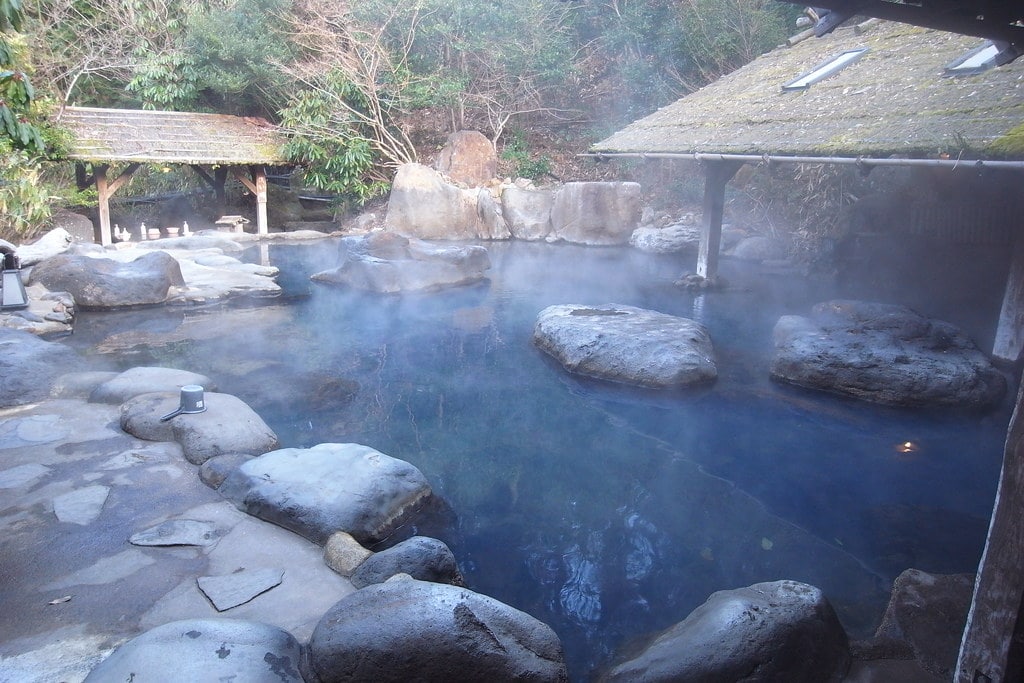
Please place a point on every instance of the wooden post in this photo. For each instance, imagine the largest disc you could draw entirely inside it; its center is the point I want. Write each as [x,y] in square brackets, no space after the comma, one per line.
[990,651]
[104,191]
[258,186]
[260,176]
[1010,331]
[717,175]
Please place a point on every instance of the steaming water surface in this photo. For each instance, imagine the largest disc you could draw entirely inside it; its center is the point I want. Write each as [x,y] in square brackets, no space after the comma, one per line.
[605,511]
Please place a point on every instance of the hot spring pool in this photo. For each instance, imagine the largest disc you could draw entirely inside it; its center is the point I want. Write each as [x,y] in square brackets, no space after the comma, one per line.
[607,512]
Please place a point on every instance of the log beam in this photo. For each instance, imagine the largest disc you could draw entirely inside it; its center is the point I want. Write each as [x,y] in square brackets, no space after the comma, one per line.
[717,175]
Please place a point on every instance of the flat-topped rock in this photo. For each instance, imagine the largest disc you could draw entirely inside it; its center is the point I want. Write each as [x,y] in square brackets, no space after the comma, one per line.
[327,488]
[778,631]
[228,425]
[108,283]
[388,263]
[627,344]
[146,379]
[886,354]
[205,650]
[30,366]
[405,630]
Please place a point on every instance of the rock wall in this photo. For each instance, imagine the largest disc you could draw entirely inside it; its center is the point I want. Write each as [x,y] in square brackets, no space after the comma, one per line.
[425,205]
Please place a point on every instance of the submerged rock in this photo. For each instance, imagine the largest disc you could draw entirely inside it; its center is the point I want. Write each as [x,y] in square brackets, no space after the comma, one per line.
[778,631]
[885,354]
[327,488]
[627,344]
[205,650]
[388,263]
[405,630]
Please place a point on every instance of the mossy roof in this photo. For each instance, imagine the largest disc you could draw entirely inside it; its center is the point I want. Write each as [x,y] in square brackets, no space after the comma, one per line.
[895,100]
[166,137]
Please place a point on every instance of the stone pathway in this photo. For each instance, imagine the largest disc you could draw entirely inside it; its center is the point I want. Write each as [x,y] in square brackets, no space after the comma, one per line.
[104,536]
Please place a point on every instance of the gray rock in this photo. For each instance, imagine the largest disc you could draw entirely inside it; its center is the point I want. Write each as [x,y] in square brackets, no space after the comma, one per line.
[527,212]
[78,226]
[885,354]
[106,283]
[779,631]
[468,157]
[415,630]
[238,588]
[145,380]
[81,506]
[626,344]
[228,425]
[177,532]
[22,476]
[491,217]
[205,650]
[761,248]
[343,554]
[57,241]
[423,558]
[29,366]
[215,470]
[928,612]
[80,384]
[327,488]
[668,240]
[389,263]
[423,205]
[596,212]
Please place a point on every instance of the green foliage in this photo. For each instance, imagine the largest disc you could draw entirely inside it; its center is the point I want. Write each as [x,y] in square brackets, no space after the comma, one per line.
[16,92]
[524,166]
[166,81]
[233,49]
[24,202]
[336,157]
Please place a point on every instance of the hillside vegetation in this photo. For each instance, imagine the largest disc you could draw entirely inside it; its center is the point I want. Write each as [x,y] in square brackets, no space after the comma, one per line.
[360,86]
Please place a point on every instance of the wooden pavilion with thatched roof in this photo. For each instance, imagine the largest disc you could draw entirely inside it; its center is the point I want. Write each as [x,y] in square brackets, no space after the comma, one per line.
[211,144]
[899,95]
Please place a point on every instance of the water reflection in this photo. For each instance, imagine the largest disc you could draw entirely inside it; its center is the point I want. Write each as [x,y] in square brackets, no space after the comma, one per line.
[605,511]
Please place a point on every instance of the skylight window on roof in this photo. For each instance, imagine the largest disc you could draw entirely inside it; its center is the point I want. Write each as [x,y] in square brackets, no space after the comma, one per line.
[977,60]
[826,69]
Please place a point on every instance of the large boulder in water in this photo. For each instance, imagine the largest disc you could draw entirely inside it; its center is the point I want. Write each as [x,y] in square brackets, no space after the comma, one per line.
[627,344]
[778,631]
[422,204]
[597,213]
[389,263]
[205,650]
[886,354]
[327,488]
[405,630]
[106,283]
[527,212]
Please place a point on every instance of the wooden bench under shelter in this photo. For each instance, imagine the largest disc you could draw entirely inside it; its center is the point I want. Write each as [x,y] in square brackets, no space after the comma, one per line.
[211,144]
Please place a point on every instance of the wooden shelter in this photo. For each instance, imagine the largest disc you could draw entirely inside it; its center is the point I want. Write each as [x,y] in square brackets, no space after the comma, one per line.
[211,144]
[896,102]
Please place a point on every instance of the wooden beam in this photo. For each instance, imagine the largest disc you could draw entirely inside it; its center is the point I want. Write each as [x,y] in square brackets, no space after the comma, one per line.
[990,651]
[260,176]
[717,175]
[1010,331]
[105,189]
